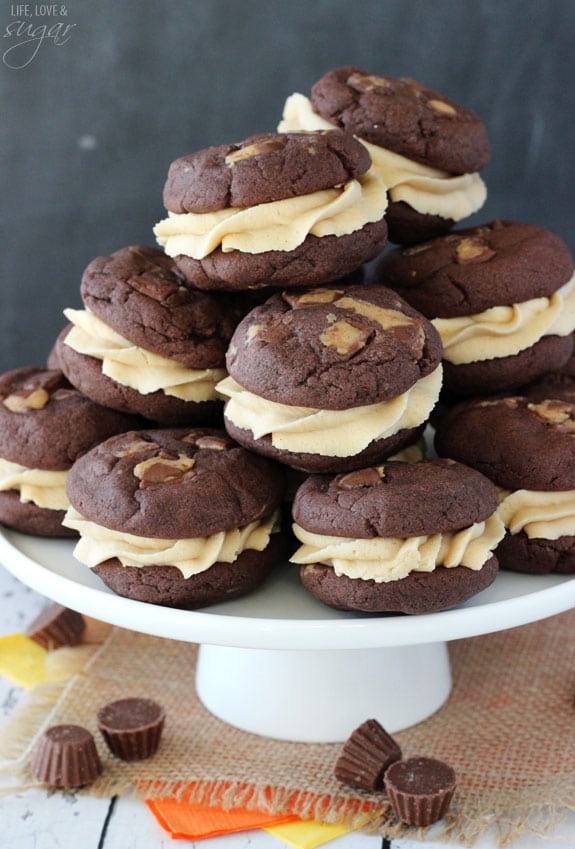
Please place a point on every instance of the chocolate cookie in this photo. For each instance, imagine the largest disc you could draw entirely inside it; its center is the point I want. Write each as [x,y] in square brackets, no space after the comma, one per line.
[556,384]
[526,447]
[141,294]
[397,538]
[274,210]
[45,424]
[411,132]
[501,296]
[146,342]
[331,379]
[131,500]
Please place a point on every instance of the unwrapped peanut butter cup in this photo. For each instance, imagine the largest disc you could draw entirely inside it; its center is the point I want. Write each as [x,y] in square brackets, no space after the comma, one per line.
[132,727]
[57,626]
[420,790]
[366,756]
[66,757]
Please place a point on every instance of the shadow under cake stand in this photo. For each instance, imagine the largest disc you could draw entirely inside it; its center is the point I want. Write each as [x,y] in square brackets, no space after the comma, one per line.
[279,663]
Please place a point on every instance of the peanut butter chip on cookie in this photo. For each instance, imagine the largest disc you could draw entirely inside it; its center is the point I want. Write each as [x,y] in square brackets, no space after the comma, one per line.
[362,477]
[558,415]
[212,443]
[385,317]
[441,106]
[366,82]
[159,471]
[255,149]
[345,338]
[472,250]
[316,296]
[21,401]
[134,446]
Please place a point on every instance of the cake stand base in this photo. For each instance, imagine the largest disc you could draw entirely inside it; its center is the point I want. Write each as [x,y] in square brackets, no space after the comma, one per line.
[321,696]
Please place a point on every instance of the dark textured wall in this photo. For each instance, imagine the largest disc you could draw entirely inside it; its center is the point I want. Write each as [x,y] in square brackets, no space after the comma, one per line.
[92,116]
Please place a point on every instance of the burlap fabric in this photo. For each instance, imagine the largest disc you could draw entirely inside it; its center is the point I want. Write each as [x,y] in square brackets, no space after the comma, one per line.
[508,729]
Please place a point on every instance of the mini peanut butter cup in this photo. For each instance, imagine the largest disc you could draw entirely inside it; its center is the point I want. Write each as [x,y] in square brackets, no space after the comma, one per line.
[57,626]
[132,727]
[366,756]
[66,757]
[420,790]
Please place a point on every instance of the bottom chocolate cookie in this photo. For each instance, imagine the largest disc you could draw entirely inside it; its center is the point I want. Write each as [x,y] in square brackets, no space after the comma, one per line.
[419,592]
[167,586]
[407,226]
[28,518]
[536,556]
[502,374]
[375,452]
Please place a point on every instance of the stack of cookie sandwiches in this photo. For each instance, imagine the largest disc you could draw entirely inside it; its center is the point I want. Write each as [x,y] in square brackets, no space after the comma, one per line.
[254,345]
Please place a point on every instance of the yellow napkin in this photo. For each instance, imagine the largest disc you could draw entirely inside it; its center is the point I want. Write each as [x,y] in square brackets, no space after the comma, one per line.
[306,834]
[22,660]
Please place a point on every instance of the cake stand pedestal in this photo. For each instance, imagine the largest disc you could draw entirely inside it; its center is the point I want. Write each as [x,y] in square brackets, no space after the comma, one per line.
[320,696]
[279,663]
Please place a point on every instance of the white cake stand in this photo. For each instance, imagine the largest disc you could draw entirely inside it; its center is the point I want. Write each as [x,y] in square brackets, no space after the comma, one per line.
[279,663]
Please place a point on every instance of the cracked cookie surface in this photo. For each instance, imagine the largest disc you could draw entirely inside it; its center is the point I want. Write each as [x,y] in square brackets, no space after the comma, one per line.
[261,169]
[333,348]
[516,442]
[141,294]
[471,270]
[403,116]
[173,483]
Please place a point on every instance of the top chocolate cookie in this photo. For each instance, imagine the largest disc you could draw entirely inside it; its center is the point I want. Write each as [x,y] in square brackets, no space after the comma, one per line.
[471,270]
[516,442]
[333,348]
[395,500]
[140,293]
[261,169]
[46,424]
[173,484]
[403,116]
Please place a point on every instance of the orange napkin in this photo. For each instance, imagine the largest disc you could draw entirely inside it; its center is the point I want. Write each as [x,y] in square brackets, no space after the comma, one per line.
[193,822]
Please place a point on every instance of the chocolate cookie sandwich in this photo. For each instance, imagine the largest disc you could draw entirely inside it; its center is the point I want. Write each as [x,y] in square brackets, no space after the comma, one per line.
[45,424]
[527,448]
[398,537]
[183,518]
[558,384]
[146,342]
[501,296]
[427,148]
[329,380]
[274,210]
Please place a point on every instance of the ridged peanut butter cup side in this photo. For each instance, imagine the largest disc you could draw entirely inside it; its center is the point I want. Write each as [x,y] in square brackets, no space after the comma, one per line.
[66,757]
[132,727]
[57,626]
[366,756]
[420,790]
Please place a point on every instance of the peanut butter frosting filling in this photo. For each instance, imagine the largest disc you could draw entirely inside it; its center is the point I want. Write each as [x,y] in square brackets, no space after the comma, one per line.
[540,515]
[427,190]
[190,556]
[135,367]
[41,487]
[331,433]
[280,225]
[384,559]
[505,331]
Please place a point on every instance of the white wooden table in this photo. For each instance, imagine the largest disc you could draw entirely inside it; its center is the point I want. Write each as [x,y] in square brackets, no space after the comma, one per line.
[39,819]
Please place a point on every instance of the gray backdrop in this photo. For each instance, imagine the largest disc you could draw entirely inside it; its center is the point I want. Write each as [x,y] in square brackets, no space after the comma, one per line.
[93,112]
